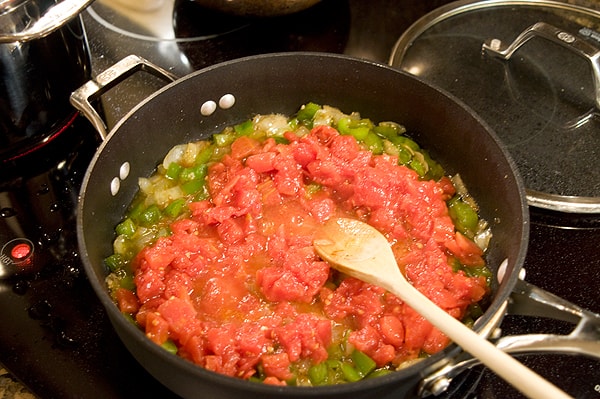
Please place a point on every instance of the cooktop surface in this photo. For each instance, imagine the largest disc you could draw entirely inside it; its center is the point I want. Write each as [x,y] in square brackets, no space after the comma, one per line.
[55,336]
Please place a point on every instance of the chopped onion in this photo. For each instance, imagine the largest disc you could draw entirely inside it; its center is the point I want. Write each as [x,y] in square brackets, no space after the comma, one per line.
[165,197]
[174,155]
[482,239]
[145,185]
[461,190]
[328,116]
[275,125]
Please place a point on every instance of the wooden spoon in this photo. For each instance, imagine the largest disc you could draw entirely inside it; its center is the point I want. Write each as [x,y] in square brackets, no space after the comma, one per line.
[359,250]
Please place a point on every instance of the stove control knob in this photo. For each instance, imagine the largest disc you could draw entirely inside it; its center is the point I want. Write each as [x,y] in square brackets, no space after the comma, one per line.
[16,256]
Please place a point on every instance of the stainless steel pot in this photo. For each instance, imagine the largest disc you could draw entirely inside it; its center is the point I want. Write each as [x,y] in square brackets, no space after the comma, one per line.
[43,58]
[280,83]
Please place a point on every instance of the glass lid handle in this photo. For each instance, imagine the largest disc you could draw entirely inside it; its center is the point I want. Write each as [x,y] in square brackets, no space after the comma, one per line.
[496,48]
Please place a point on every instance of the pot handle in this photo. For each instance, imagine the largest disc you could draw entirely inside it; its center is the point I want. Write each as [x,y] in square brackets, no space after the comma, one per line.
[106,80]
[53,19]
[529,300]
[496,48]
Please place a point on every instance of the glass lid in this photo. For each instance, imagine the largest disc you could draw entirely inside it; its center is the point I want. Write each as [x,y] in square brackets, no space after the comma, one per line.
[531,70]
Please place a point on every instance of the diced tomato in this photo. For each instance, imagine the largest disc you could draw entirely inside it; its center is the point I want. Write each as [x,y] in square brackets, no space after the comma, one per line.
[270,195]
[243,147]
[304,153]
[369,341]
[467,252]
[325,172]
[221,297]
[447,188]
[295,277]
[127,300]
[198,207]
[322,209]
[221,339]
[177,284]
[306,336]
[159,255]
[149,284]
[147,308]
[435,341]
[392,330]
[188,226]
[248,201]
[479,288]
[384,354]
[181,316]
[356,299]
[253,338]
[373,188]
[230,230]
[213,363]
[324,134]
[157,328]
[277,365]
[288,178]
[236,350]
[194,349]
[262,162]
[278,284]
[344,147]
[416,329]
[274,381]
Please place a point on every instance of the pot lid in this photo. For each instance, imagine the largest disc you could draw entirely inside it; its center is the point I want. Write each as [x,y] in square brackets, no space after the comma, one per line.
[531,70]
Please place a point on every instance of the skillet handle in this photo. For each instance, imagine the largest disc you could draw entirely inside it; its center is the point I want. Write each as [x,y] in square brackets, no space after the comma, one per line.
[529,300]
[94,88]
[496,48]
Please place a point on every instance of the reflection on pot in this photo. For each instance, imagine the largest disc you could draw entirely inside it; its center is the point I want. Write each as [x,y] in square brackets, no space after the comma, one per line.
[38,76]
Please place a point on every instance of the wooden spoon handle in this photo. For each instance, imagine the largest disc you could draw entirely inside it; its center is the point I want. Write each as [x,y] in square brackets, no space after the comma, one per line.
[521,377]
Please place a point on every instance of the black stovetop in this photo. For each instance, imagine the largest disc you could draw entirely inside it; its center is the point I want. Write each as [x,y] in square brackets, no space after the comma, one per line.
[54,334]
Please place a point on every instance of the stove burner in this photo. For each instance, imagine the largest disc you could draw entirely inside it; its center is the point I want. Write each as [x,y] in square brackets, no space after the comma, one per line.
[156,23]
[206,37]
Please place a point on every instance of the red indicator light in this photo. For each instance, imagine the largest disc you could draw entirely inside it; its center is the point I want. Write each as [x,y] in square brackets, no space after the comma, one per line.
[16,256]
[20,251]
